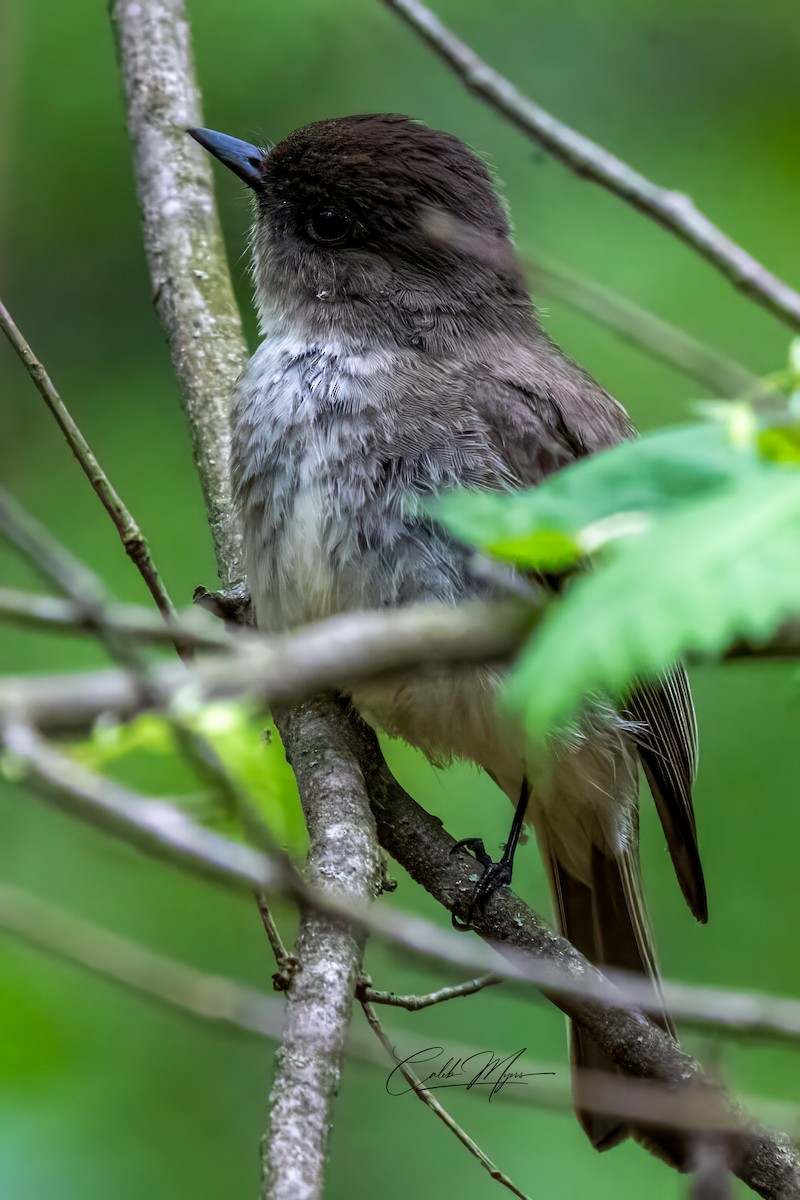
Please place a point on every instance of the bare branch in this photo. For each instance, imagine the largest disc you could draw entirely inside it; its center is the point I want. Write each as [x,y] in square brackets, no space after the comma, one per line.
[718,374]
[152,825]
[131,535]
[344,861]
[77,941]
[191,626]
[336,653]
[183,241]
[673,210]
[52,560]
[369,995]
[423,1094]
[287,963]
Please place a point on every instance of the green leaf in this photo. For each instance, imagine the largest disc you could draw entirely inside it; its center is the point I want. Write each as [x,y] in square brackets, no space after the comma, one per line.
[651,475]
[725,567]
[547,550]
[109,743]
[780,443]
[252,754]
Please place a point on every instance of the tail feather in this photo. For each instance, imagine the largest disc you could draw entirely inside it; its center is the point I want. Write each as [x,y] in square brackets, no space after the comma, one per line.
[606,920]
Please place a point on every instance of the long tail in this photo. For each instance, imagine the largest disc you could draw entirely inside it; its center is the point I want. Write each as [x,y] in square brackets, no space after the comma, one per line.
[606,920]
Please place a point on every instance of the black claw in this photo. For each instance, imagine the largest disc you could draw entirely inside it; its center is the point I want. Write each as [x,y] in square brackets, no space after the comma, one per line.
[476,847]
[495,874]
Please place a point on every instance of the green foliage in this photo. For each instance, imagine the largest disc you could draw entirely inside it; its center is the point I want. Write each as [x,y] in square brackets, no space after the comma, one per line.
[724,567]
[692,534]
[252,754]
[606,496]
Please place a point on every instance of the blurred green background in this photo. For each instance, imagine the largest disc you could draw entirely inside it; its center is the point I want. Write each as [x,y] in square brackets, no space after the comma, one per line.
[101,1092]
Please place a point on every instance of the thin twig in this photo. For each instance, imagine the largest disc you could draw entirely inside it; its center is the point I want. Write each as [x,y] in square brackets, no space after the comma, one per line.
[192,627]
[75,940]
[133,540]
[287,963]
[370,995]
[152,825]
[673,210]
[52,560]
[718,374]
[82,586]
[434,1105]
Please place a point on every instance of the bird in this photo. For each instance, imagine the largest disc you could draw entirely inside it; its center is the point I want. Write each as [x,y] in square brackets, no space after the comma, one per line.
[402,357]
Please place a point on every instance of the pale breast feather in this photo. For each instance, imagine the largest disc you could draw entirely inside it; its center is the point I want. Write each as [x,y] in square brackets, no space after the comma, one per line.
[290,422]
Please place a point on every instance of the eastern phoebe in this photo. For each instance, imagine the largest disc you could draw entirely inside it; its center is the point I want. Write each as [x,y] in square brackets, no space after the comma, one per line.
[402,356]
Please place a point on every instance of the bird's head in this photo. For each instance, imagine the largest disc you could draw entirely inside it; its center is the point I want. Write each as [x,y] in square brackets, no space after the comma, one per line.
[375,227]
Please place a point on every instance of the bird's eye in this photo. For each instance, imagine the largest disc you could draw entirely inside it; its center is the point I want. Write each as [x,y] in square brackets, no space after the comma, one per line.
[329,224]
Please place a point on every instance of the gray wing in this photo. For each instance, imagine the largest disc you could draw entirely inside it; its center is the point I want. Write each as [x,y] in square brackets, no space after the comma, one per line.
[580,418]
[667,742]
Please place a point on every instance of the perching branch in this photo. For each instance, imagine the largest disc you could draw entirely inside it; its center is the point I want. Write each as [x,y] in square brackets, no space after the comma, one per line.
[131,535]
[767,1162]
[673,210]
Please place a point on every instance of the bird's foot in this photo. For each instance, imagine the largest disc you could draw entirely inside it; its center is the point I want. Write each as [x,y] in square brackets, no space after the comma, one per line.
[496,874]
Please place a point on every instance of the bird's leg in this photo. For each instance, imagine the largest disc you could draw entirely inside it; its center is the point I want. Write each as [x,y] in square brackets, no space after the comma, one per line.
[495,874]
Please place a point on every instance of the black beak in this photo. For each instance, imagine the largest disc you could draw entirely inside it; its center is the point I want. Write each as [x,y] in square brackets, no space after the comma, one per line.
[244,160]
